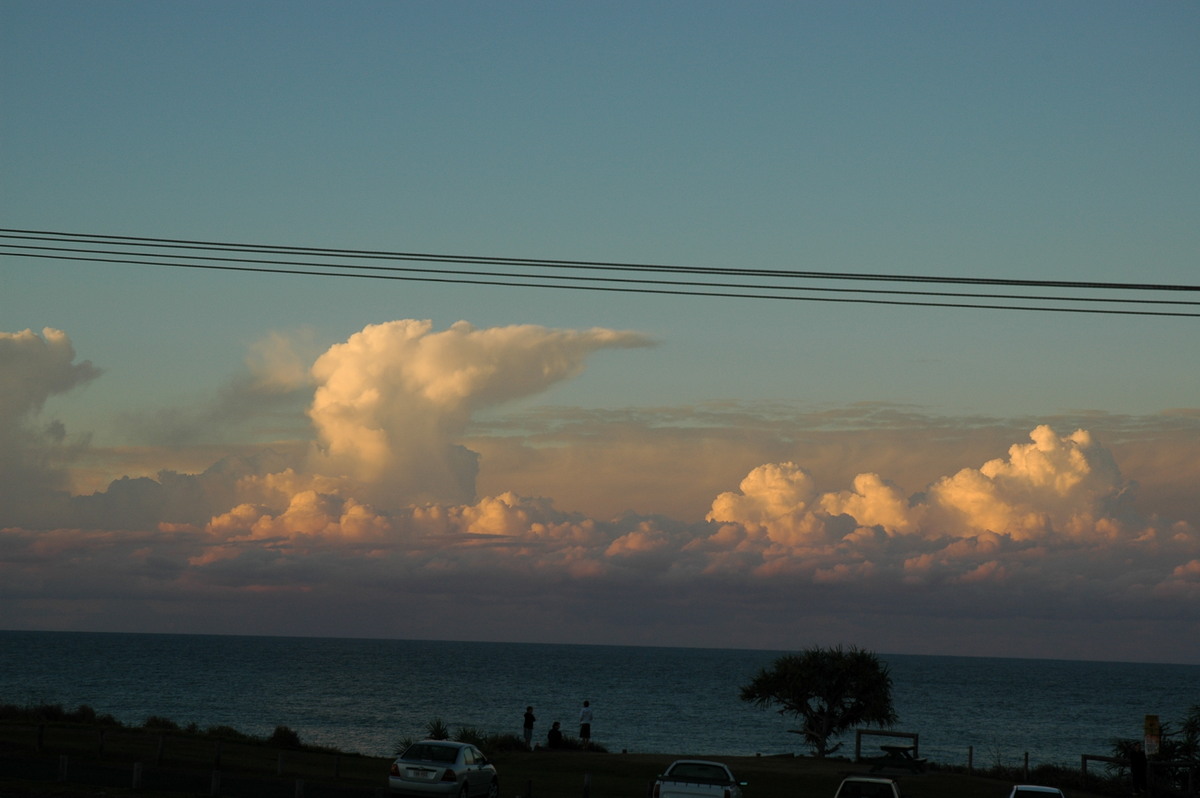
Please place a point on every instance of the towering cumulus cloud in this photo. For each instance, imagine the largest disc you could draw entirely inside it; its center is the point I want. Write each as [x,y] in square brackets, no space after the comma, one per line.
[392,399]
[32,369]
[375,509]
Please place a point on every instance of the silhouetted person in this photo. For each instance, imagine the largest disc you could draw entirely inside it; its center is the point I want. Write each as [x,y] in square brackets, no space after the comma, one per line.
[585,723]
[529,721]
[1137,768]
[554,737]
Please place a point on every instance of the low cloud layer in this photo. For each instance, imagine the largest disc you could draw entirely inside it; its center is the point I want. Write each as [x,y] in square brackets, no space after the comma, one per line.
[381,510]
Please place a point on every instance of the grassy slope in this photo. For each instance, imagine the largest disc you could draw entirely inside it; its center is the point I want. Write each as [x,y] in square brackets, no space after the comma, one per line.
[560,774]
[552,775]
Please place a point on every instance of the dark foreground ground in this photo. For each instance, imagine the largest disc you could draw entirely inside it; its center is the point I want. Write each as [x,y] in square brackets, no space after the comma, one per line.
[525,774]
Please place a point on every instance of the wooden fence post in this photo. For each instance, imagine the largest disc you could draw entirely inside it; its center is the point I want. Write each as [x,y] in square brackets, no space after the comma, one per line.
[137,775]
[299,788]
[970,760]
[1026,766]
[587,785]
[215,786]
[62,767]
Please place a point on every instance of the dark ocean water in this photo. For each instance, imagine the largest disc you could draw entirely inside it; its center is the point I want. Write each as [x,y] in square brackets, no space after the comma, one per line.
[364,695]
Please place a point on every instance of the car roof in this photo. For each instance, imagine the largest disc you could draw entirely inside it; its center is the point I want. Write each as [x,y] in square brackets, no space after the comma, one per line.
[871,779]
[1037,788]
[697,762]
[427,744]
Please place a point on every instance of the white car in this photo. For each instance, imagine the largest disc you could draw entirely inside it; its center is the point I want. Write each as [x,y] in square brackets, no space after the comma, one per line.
[697,778]
[868,787]
[443,768]
[1034,791]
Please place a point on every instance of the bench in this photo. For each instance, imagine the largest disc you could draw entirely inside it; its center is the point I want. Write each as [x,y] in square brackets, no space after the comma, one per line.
[898,756]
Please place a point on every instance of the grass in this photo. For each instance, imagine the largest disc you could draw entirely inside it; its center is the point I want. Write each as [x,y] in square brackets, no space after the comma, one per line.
[100,744]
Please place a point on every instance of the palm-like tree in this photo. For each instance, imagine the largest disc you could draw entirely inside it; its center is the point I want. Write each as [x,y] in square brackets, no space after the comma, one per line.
[831,689]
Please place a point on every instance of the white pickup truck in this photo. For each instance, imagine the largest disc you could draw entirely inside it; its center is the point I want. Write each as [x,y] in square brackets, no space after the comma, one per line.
[697,778]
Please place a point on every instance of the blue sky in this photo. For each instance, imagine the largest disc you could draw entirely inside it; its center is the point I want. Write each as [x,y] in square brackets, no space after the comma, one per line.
[1017,140]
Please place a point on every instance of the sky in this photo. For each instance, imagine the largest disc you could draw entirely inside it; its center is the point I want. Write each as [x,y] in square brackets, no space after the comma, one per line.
[198,451]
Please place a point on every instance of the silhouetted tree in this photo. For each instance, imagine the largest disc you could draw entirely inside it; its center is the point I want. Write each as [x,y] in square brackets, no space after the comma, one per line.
[831,689]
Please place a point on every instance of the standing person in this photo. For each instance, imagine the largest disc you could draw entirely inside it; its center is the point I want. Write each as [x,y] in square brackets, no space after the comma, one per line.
[1137,768]
[529,721]
[585,723]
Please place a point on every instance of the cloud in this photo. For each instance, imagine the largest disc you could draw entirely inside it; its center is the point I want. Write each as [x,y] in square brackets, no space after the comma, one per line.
[264,400]
[392,400]
[381,509]
[1053,486]
[34,368]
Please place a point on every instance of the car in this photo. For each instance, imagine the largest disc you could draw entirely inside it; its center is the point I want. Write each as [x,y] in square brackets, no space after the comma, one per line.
[1034,791]
[868,787]
[442,767]
[697,778]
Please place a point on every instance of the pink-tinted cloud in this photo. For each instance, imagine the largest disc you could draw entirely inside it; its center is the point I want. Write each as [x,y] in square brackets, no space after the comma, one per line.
[1041,525]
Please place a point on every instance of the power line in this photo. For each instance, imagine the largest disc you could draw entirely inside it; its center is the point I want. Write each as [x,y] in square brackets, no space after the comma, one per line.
[573,274]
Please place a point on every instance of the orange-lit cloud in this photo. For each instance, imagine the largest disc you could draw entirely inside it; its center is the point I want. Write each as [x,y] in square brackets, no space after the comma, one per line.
[383,509]
[392,401]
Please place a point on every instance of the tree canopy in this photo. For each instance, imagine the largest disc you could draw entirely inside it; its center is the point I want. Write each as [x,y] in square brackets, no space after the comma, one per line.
[831,689]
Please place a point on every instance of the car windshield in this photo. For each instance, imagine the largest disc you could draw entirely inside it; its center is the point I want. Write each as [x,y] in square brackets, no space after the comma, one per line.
[428,752]
[698,771]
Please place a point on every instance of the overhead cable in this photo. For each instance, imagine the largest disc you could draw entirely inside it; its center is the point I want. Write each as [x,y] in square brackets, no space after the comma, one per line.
[583,275]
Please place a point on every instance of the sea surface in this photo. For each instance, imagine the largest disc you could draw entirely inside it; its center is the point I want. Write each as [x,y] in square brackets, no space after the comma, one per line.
[366,695]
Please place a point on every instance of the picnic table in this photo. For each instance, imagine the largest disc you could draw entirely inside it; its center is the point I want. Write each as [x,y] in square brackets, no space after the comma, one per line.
[899,756]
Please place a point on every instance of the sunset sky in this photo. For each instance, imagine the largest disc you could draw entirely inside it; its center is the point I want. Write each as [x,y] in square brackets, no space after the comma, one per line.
[201,451]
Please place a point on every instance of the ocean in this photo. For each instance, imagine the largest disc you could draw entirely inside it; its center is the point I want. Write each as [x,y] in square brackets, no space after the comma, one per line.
[366,695]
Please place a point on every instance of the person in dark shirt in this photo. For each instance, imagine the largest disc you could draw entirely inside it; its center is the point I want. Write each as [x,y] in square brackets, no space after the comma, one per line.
[529,721]
[554,738]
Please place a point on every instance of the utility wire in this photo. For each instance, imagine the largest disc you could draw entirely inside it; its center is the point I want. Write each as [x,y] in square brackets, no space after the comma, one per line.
[131,258]
[541,270]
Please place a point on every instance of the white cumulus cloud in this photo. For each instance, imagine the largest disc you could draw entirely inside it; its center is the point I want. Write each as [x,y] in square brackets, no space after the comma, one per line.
[392,400]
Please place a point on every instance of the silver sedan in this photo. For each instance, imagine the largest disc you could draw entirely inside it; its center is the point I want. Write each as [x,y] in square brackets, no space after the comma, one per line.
[443,768]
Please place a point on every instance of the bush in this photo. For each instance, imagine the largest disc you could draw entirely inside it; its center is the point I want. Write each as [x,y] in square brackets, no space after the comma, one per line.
[437,729]
[159,723]
[227,733]
[472,735]
[283,737]
[497,743]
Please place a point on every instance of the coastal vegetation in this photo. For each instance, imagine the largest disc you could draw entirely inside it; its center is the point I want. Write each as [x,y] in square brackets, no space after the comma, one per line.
[833,690]
[97,743]
[489,743]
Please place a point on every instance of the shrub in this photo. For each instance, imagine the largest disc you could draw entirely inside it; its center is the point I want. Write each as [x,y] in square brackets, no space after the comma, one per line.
[437,729]
[227,733]
[472,735]
[283,737]
[496,743]
[159,723]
